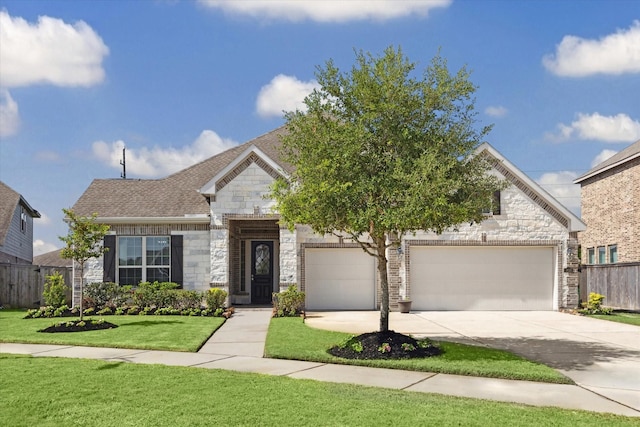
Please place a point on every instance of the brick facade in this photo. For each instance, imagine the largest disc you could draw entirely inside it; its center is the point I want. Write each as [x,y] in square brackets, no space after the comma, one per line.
[611,210]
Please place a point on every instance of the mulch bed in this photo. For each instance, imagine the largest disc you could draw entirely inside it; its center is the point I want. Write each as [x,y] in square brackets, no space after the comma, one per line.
[89,325]
[372,341]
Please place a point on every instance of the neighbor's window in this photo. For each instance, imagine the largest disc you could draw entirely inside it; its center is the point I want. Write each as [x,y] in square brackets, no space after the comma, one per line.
[493,207]
[613,253]
[23,220]
[591,256]
[144,259]
[602,255]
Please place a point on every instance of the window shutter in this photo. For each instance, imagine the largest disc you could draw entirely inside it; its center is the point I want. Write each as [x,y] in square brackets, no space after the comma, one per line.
[109,259]
[176,259]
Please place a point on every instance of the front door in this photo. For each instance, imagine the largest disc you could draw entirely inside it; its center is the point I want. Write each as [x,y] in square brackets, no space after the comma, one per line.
[261,272]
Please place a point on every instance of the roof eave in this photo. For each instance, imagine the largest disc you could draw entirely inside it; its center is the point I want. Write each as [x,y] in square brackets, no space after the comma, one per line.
[609,167]
[187,219]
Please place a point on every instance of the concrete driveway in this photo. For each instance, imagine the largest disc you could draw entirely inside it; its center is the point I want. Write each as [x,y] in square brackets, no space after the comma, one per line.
[598,355]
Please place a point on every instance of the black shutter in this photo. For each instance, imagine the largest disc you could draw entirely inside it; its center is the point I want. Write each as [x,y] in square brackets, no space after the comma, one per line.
[176,259]
[109,259]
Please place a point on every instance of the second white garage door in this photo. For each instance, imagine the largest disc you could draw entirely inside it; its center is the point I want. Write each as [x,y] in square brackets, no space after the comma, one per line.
[339,279]
[482,278]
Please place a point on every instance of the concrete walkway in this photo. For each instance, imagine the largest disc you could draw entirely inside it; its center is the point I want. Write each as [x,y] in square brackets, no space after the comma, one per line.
[239,345]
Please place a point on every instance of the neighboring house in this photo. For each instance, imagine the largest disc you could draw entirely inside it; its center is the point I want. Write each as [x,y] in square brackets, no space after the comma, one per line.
[16,227]
[52,259]
[210,225]
[611,209]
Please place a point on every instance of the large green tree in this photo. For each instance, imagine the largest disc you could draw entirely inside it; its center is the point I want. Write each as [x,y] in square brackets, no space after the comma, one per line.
[382,151]
[83,242]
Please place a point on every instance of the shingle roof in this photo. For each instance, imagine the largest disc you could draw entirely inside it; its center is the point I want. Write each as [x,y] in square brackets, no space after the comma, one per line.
[174,196]
[52,259]
[629,153]
[9,200]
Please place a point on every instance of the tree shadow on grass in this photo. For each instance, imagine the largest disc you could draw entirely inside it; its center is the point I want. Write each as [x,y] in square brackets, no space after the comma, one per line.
[110,365]
[562,354]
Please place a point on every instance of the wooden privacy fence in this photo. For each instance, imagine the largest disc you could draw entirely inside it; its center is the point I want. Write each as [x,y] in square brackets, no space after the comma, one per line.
[21,285]
[619,283]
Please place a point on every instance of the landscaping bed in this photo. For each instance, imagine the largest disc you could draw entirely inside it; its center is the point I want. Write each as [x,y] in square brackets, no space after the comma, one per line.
[290,338]
[149,332]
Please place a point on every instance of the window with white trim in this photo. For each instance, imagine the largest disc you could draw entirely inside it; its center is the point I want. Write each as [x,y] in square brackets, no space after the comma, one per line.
[144,259]
[591,256]
[23,220]
[602,255]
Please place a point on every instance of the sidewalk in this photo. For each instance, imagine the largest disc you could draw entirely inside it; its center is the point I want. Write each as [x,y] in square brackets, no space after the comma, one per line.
[239,344]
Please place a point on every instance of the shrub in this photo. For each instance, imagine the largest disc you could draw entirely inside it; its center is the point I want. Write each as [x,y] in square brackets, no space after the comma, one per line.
[187,299]
[158,294]
[54,290]
[288,303]
[106,294]
[594,305]
[215,298]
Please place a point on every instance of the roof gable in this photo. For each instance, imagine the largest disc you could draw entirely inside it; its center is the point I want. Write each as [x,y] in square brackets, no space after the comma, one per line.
[624,156]
[532,189]
[9,201]
[249,156]
[177,195]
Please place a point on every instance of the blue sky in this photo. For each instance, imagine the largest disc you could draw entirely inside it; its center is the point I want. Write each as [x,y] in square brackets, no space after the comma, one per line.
[179,81]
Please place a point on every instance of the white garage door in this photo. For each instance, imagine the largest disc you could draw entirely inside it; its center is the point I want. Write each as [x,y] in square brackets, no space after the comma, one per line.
[482,278]
[339,279]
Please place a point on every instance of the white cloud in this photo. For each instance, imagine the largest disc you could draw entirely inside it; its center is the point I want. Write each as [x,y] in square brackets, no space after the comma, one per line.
[326,11]
[160,161]
[611,129]
[49,51]
[9,114]
[41,247]
[44,219]
[496,111]
[604,155]
[560,185]
[615,53]
[283,93]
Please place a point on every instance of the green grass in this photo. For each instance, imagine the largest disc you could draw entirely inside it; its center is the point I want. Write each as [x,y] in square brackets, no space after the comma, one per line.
[620,317]
[40,391]
[176,333]
[290,338]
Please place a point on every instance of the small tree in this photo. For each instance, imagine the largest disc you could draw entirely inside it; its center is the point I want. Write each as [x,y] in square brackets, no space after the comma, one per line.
[380,153]
[83,242]
[54,293]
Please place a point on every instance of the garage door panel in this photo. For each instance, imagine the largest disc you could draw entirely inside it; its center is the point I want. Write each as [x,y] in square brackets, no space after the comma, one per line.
[482,278]
[339,279]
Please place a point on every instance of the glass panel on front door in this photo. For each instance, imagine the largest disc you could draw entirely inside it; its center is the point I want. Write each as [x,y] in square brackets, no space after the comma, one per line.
[263,260]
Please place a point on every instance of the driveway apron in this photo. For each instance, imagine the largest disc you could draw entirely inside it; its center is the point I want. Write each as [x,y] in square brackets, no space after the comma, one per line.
[600,356]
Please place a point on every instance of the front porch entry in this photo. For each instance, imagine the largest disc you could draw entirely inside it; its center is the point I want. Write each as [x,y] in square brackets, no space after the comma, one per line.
[254,260]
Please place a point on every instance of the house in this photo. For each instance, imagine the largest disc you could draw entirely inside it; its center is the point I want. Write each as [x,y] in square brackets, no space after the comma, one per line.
[52,259]
[611,209]
[210,225]
[16,227]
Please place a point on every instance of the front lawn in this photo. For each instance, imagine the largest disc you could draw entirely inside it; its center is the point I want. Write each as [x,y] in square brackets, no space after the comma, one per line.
[41,391]
[290,338]
[630,318]
[151,332]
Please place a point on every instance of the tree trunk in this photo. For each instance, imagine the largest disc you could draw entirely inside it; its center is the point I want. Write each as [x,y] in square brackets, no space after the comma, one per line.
[384,282]
[81,289]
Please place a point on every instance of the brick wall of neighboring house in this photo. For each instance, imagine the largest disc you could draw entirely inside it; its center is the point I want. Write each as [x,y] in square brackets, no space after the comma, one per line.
[611,210]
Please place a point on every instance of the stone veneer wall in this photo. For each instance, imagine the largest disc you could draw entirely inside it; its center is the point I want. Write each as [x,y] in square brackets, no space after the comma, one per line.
[240,197]
[521,222]
[195,256]
[611,210]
